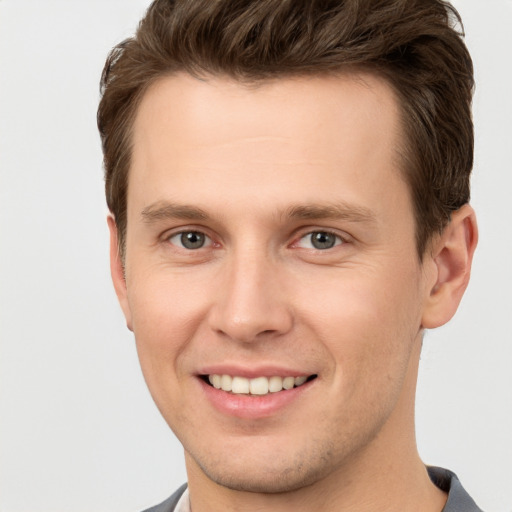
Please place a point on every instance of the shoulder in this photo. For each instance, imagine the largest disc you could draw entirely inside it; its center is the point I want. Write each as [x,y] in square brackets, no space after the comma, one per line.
[458,499]
[170,503]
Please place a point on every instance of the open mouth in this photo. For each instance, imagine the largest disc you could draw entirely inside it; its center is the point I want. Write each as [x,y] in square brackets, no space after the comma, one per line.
[257,386]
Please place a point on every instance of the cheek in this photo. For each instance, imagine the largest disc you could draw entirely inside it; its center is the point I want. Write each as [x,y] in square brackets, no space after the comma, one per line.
[165,302]
[368,300]
[367,322]
[166,312]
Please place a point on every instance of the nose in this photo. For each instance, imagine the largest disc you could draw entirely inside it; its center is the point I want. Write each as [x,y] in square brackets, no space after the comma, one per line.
[250,302]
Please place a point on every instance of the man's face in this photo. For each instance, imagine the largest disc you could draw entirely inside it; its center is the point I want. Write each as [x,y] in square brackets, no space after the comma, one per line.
[271,235]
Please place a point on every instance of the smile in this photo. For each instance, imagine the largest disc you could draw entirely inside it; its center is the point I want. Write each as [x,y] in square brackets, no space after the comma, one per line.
[257,386]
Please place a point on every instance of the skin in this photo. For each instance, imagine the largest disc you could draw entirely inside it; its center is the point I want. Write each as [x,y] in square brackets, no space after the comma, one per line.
[258,170]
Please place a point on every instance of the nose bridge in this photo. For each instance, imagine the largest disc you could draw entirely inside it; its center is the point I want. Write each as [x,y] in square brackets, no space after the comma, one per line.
[250,302]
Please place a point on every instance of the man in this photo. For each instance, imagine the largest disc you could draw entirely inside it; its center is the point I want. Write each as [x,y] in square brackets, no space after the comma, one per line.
[289,186]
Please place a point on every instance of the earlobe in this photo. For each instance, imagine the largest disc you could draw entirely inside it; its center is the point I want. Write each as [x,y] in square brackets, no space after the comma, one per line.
[117,271]
[452,255]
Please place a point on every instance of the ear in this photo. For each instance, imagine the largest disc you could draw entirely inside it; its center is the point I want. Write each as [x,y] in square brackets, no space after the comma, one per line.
[451,258]
[117,272]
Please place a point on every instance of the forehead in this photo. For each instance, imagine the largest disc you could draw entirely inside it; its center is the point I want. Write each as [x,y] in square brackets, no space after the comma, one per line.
[311,134]
[207,110]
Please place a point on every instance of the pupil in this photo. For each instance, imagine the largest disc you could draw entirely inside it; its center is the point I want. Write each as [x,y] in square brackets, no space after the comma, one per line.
[322,240]
[192,240]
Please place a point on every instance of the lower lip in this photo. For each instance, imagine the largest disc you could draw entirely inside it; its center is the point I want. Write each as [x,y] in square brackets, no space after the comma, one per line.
[253,406]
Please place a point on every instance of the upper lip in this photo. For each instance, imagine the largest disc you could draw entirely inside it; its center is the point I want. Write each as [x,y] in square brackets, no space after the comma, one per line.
[253,371]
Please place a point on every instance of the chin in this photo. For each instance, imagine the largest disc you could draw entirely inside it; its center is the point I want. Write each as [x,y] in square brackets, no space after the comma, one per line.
[268,471]
[266,482]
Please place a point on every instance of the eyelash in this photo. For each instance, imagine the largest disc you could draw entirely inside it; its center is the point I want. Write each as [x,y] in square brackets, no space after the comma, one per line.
[208,241]
[338,239]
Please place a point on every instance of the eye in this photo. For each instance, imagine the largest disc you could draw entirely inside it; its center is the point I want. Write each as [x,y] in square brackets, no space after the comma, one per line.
[190,240]
[320,240]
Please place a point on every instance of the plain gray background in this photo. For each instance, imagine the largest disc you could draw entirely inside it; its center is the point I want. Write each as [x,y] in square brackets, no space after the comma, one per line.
[79,432]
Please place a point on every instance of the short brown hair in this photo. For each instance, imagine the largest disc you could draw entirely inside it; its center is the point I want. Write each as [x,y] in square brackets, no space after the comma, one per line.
[414,44]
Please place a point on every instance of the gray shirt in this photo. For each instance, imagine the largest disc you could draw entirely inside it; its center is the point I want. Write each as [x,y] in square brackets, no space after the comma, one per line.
[458,499]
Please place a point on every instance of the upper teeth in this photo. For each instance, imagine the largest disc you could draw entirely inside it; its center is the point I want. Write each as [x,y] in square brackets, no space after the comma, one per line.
[257,386]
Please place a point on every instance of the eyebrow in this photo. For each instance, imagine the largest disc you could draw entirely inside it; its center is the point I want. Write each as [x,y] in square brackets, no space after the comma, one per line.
[163,210]
[340,211]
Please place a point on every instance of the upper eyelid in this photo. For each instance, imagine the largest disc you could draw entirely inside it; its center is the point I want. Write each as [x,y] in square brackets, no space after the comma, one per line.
[170,232]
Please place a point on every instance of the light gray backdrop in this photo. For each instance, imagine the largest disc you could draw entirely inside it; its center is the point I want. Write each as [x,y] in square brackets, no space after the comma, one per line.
[79,432]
